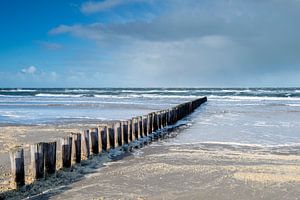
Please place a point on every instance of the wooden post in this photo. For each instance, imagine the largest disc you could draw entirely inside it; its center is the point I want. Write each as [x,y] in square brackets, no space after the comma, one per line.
[85,143]
[66,151]
[116,134]
[37,160]
[111,137]
[154,122]
[150,124]
[140,121]
[125,132]
[129,130]
[105,139]
[168,117]
[95,140]
[50,158]
[76,147]
[160,114]
[121,133]
[158,120]
[145,126]
[137,128]
[108,130]
[164,118]
[17,167]
[133,129]
[100,135]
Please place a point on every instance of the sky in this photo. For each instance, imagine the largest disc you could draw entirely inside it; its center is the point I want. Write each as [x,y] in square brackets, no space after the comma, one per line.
[150,43]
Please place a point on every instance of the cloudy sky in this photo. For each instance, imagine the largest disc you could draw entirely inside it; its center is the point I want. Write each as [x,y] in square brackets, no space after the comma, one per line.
[150,43]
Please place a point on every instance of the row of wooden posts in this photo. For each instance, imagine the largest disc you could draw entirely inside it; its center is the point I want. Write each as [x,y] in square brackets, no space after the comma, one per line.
[100,139]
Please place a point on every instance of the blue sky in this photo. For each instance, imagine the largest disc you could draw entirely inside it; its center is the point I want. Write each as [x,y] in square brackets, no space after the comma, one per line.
[150,43]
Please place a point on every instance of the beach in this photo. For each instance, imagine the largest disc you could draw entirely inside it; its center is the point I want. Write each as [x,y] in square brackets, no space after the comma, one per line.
[162,171]
[241,144]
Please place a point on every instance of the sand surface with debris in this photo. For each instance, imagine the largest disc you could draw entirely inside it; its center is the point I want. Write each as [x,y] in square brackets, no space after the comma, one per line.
[163,171]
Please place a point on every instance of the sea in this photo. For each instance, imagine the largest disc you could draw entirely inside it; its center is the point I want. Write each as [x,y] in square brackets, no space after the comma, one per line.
[247,116]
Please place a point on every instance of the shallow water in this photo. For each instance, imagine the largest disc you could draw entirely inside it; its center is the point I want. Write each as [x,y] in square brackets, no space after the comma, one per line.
[252,122]
[253,116]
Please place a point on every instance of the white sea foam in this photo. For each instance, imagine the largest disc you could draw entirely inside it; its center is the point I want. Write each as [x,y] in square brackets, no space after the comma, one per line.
[18,90]
[58,95]
[77,90]
[236,144]
[154,91]
[293,105]
[255,98]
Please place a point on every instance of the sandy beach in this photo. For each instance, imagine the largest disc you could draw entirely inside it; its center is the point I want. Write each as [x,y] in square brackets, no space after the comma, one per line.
[165,171]
[24,135]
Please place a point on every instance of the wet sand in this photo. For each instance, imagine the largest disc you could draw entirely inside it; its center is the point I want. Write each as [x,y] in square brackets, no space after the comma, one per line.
[164,171]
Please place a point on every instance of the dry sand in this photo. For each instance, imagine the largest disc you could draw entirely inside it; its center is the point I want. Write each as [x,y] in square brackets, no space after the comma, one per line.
[163,171]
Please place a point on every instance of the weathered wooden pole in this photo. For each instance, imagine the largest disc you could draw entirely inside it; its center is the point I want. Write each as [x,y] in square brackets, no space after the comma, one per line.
[145,126]
[125,132]
[116,126]
[76,147]
[95,140]
[85,143]
[17,167]
[161,119]
[50,158]
[37,160]
[165,118]
[168,117]
[150,122]
[154,122]
[129,132]
[108,145]
[133,129]
[111,136]
[121,133]
[103,133]
[66,152]
[158,120]
[136,129]
[140,126]
[101,130]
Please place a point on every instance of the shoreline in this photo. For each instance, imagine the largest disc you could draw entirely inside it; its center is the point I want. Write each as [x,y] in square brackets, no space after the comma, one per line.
[58,131]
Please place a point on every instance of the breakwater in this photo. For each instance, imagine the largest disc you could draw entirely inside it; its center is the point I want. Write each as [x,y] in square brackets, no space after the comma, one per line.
[127,134]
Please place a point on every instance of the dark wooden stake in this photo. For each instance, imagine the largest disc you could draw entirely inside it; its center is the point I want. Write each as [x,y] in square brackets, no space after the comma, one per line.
[76,147]
[95,140]
[116,134]
[66,152]
[103,132]
[37,160]
[50,158]
[85,143]
[17,167]
[100,133]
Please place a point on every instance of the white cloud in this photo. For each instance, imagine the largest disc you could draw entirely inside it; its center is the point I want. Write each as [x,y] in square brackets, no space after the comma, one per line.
[91,31]
[30,70]
[196,42]
[99,6]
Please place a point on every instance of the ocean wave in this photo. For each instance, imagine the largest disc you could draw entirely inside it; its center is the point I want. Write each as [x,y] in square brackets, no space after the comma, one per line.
[77,90]
[256,98]
[58,95]
[293,105]
[236,144]
[17,90]
[154,91]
